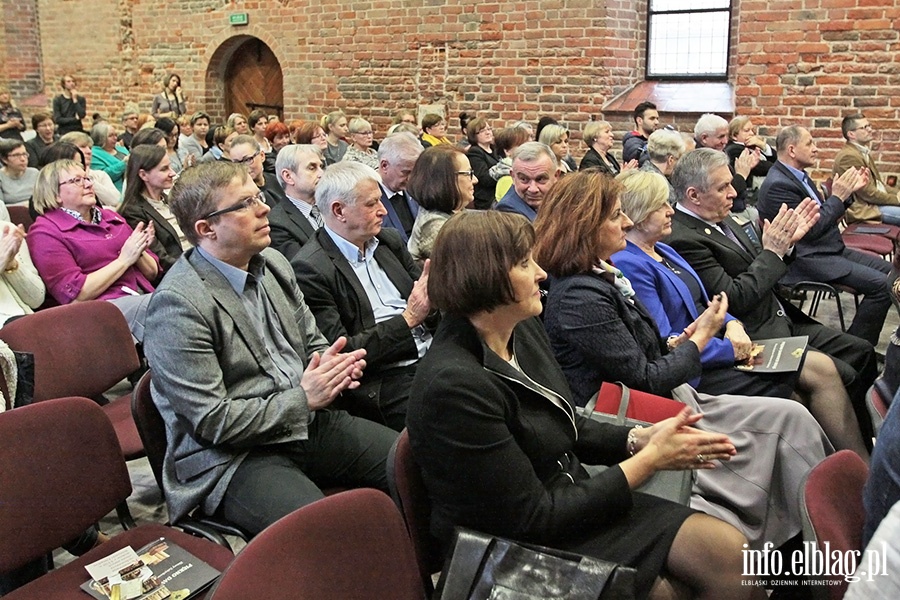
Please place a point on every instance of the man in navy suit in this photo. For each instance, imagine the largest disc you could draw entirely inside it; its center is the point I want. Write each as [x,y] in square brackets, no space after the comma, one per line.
[821,255]
[534,171]
[396,156]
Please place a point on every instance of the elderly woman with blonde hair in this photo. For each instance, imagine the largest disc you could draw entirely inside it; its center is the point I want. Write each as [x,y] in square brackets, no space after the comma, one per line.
[664,148]
[598,135]
[361,136]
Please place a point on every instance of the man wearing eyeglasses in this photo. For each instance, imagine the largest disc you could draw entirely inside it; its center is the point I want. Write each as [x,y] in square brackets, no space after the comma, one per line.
[361,282]
[534,171]
[245,150]
[240,372]
[874,202]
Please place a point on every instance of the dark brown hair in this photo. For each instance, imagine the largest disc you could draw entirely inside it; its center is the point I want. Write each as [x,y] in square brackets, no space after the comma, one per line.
[471,260]
[434,181]
[568,224]
[508,138]
[474,127]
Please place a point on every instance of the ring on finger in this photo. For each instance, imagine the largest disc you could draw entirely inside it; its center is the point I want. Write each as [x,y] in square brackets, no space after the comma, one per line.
[701,458]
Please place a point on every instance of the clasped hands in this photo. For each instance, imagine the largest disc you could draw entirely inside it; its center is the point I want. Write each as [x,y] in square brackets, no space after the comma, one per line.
[331,372]
[674,444]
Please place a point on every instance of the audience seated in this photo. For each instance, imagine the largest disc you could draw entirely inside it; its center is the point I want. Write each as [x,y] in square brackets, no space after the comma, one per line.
[238,122]
[179,160]
[12,123]
[443,183]
[556,137]
[673,296]
[535,170]
[241,374]
[104,188]
[129,126]
[106,155]
[196,144]
[21,288]
[257,121]
[278,135]
[434,130]
[598,137]
[600,331]
[396,156]
[361,137]
[150,177]
[17,179]
[506,141]
[731,264]
[482,157]
[361,283]
[821,255]
[246,151]
[664,148]
[646,121]
[492,425]
[45,134]
[222,138]
[294,220]
[742,136]
[711,131]
[335,126]
[84,252]
[312,133]
[873,202]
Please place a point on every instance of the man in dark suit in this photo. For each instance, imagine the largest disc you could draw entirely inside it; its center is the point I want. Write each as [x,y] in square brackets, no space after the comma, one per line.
[299,168]
[718,249]
[361,282]
[396,156]
[241,373]
[821,254]
[534,171]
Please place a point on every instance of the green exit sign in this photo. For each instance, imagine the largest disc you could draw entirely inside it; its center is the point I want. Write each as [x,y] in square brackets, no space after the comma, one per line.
[238,18]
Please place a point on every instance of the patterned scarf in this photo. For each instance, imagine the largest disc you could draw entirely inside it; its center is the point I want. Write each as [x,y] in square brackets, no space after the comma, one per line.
[619,280]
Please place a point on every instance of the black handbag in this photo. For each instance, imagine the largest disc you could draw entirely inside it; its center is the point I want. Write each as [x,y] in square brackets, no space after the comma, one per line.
[484,567]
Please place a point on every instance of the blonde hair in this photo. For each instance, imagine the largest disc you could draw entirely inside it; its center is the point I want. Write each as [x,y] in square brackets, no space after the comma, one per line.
[593,131]
[643,193]
[46,188]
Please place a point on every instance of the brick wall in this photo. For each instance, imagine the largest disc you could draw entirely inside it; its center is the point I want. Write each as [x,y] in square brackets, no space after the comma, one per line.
[20,48]
[795,61]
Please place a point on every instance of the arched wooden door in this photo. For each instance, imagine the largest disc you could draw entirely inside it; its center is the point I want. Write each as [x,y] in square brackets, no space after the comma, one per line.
[253,79]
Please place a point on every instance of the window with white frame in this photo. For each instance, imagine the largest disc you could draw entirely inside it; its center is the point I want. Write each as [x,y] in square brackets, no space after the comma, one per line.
[688,38]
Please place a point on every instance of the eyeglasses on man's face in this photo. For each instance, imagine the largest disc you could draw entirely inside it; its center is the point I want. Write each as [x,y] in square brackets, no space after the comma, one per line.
[248,202]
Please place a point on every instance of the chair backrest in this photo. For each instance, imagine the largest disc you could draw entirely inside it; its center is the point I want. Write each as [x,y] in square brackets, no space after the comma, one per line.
[349,545]
[80,349]
[20,216]
[61,470]
[642,406]
[877,404]
[833,512]
[150,425]
[409,493]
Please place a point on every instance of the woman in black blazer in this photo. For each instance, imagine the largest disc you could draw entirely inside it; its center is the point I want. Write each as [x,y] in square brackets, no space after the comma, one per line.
[598,136]
[493,428]
[148,179]
[482,157]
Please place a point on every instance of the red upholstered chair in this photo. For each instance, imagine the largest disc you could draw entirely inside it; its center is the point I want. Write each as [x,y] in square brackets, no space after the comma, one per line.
[833,512]
[409,493]
[878,402]
[81,349]
[20,216]
[152,429]
[61,471]
[349,545]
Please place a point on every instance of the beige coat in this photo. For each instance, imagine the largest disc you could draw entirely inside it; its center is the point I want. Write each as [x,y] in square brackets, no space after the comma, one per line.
[865,200]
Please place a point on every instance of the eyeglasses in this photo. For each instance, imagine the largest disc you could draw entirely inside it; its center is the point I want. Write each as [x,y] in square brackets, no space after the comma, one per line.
[17,155]
[866,126]
[77,180]
[469,174]
[248,202]
[247,159]
[319,136]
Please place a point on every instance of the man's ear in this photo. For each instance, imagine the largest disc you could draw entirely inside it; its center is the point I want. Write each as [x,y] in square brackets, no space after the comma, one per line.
[203,230]
[288,176]
[336,210]
[692,195]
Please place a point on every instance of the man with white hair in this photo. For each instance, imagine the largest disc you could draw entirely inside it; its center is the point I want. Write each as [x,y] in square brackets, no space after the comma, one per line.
[360,281]
[396,156]
[534,171]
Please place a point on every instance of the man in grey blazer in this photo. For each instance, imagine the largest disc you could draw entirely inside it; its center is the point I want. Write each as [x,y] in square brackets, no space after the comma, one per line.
[299,168]
[241,374]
